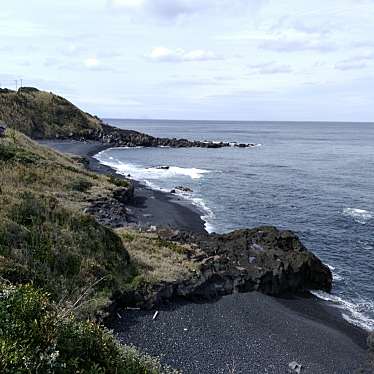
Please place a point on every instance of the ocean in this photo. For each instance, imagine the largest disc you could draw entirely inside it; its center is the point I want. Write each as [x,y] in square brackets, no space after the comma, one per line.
[316,179]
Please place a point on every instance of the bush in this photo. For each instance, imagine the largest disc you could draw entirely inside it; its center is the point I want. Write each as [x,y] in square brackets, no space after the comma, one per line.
[60,250]
[118,181]
[12,153]
[37,337]
[81,185]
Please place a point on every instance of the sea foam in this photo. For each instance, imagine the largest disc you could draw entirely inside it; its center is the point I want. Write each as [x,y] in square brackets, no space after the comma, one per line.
[148,175]
[359,215]
[353,311]
[145,173]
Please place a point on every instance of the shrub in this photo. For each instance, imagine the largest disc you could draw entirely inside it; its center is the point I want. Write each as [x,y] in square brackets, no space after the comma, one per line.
[11,153]
[81,185]
[118,181]
[37,337]
[60,250]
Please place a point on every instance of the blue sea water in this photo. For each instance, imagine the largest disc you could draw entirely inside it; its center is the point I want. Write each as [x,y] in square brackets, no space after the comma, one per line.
[316,179]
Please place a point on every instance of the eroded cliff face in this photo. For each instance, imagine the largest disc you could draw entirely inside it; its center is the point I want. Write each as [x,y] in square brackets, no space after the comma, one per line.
[263,259]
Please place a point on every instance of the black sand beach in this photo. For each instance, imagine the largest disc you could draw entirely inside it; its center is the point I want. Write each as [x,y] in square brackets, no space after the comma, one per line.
[150,207]
[247,333]
[241,333]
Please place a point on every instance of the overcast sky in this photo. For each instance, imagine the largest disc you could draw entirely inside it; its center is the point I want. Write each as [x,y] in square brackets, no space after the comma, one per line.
[196,59]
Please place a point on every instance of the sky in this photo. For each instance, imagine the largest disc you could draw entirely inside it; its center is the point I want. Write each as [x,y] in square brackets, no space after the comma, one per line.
[196,59]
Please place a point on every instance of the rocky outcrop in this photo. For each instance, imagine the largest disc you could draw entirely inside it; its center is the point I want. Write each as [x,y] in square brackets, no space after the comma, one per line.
[263,259]
[129,138]
[182,189]
[111,210]
[44,115]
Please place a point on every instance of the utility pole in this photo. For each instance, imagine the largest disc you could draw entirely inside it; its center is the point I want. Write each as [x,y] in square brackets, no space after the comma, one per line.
[21,82]
[16,84]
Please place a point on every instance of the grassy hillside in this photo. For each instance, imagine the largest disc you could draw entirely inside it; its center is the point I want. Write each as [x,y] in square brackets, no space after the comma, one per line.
[37,336]
[44,115]
[40,114]
[59,268]
[44,237]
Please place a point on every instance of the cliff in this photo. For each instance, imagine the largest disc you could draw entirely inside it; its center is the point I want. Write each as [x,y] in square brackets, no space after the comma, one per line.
[44,115]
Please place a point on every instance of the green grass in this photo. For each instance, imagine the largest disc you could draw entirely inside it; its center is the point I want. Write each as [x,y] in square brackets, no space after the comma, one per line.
[45,239]
[60,250]
[36,336]
[118,182]
[59,268]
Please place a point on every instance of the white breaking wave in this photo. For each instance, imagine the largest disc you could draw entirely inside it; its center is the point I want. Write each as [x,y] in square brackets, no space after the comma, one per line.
[143,173]
[147,175]
[335,276]
[209,215]
[354,311]
[359,215]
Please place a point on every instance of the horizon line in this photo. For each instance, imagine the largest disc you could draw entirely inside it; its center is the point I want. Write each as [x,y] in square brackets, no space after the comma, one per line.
[228,120]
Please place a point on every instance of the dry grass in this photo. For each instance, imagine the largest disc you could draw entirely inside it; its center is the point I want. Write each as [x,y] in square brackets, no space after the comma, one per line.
[157,260]
[44,236]
[41,114]
[27,166]
[46,239]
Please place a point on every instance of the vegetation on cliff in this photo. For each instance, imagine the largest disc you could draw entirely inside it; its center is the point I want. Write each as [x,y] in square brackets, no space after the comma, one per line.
[58,267]
[38,336]
[44,237]
[43,115]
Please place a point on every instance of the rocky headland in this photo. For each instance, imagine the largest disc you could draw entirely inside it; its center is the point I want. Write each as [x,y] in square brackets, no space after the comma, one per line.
[263,259]
[43,115]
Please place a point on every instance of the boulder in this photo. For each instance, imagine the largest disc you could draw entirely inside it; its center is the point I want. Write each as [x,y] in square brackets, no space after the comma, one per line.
[124,194]
[183,189]
[263,259]
[271,261]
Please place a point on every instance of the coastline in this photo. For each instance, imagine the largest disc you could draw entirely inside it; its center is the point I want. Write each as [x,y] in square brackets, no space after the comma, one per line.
[294,324]
[150,207]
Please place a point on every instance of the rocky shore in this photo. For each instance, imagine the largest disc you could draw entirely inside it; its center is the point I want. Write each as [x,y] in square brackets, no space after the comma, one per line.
[116,137]
[273,262]
[175,264]
[263,259]
[44,115]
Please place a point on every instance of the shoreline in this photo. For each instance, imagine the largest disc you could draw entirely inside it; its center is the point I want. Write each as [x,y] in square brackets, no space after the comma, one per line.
[150,207]
[302,316]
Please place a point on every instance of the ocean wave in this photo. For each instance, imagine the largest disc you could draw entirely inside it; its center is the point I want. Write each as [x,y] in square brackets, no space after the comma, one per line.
[143,173]
[354,310]
[359,215]
[335,276]
[149,175]
[208,215]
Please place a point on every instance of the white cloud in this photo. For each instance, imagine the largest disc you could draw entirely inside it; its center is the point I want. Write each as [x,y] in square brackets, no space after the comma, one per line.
[171,9]
[350,65]
[268,68]
[91,63]
[286,40]
[127,4]
[356,62]
[162,8]
[162,54]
